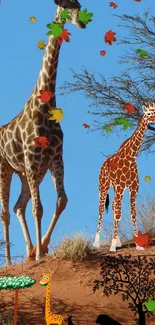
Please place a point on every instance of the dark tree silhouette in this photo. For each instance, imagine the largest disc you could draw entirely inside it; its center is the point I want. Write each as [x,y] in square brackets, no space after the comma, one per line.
[133,278]
[130,87]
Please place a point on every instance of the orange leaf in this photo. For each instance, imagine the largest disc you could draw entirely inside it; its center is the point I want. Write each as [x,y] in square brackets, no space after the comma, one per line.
[109,37]
[45,95]
[142,240]
[87,126]
[64,36]
[129,108]
[41,142]
[113,4]
[102,53]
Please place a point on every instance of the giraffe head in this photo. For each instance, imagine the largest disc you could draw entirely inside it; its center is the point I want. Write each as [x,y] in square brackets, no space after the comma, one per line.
[45,280]
[149,112]
[73,7]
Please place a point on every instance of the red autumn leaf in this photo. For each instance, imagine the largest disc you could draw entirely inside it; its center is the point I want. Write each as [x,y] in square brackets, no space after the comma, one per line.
[109,37]
[102,52]
[137,0]
[45,95]
[142,240]
[41,142]
[64,36]
[113,4]
[87,126]
[112,164]
[129,108]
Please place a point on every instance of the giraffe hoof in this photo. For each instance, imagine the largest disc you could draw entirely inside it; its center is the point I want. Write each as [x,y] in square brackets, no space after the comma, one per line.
[139,248]
[33,252]
[113,249]
[96,244]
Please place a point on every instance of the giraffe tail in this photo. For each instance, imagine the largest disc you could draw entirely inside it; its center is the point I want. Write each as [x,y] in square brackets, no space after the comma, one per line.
[107,203]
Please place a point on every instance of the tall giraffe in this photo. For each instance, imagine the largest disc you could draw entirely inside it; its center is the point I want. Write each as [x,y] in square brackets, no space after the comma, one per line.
[18,153]
[49,317]
[120,171]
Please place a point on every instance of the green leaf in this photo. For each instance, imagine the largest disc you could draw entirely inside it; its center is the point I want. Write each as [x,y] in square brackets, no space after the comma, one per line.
[122,121]
[107,128]
[49,25]
[65,15]
[49,33]
[85,17]
[56,29]
[142,53]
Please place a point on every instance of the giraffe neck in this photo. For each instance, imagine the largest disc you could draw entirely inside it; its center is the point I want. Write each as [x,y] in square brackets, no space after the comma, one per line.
[48,299]
[48,72]
[135,141]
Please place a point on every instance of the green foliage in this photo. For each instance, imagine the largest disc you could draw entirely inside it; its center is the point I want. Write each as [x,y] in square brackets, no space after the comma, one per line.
[142,53]
[65,15]
[17,282]
[55,29]
[85,17]
[75,248]
[107,128]
[122,121]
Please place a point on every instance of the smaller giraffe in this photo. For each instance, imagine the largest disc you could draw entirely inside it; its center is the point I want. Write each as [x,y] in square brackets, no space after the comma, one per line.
[120,171]
[50,317]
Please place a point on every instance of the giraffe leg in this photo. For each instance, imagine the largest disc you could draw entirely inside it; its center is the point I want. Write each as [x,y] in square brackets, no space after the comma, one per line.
[37,209]
[104,184]
[57,172]
[5,181]
[20,208]
[117,213]
[133,194]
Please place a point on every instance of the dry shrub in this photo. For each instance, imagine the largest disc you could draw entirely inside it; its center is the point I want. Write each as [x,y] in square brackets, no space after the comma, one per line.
[75,248]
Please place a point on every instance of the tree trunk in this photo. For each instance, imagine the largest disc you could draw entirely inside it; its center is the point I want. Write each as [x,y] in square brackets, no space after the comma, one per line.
[141,315]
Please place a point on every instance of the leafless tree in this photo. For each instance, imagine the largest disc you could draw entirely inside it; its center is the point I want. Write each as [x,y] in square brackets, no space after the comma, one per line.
[135,85]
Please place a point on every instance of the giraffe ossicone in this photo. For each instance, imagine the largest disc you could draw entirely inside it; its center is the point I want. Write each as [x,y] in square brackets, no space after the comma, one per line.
[123,175]
[19,155]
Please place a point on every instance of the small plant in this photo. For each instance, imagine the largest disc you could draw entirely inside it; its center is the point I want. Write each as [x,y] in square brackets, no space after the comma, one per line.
[75,248]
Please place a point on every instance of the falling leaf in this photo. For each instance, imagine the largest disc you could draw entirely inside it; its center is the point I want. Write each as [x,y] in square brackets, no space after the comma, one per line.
[41,142]
[113,4]
[142,240]
[55,29]
[129,108]
[41,45]
[45,95]
[110,37]
[147,178]
[85,17]
[137,0]
[107,128]
[57,114]
[87,126]
[142,53]
[150,305]
[112,164]
[103,53]
[122,121]
[64,36]
[32,19]
[64,15]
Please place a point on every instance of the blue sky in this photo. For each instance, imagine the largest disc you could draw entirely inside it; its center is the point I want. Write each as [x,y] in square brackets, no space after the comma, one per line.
[20,65]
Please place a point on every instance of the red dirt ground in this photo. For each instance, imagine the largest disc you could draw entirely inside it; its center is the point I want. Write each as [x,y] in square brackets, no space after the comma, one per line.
[71,290]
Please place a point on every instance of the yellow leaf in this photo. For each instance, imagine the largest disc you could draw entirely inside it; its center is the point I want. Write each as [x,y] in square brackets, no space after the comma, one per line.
[32,19]
[41,45]
[147,178]
[57,114]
